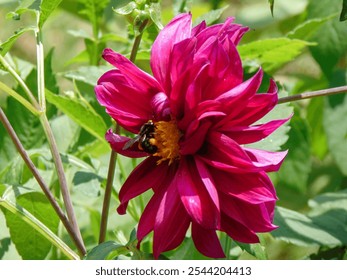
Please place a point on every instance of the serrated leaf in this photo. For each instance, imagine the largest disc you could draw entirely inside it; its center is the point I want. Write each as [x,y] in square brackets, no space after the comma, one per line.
[80,112]
[343,15]
[101,251]
[7,45]
[93,10]
[335,125]
[211,16]
[271,54]
[32,245]
[46,9]
[301,230]
[307,29]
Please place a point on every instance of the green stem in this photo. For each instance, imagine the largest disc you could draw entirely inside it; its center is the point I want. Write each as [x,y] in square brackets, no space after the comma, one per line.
[40,227]
[40,60]
[20,99]
[113,156]
[40,180]
[62,181]
[23,85]
[312,94]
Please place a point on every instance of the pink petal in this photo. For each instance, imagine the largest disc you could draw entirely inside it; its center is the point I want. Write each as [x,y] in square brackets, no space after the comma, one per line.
[145,176]
[196,199]
[133,74]
[207,241]
[237,231]
[255,217]
[175,31]
[268,161]
[161,107]
[251,134]
[254,188]
[117,143]
[171,222]
[192,143]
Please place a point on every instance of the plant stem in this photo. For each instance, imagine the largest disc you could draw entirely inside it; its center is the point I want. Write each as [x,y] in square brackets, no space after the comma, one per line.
[40,59]
[20,81]
[62,180]
[113,156]
[20,99]
[312,94]
[51,140]
[40,181]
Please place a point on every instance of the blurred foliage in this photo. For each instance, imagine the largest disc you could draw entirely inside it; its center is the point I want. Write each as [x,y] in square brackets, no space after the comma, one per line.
[302,46]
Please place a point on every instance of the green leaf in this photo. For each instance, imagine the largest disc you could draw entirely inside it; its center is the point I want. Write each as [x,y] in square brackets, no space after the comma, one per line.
[87,74]
[331,36]
[46,9]
[66,132]
[307,29]
[93,11]
[301,230]
[329,213]
[335,125]
[296,168]
[272,54]
[278,138]
[87,183]
[211,16]
[7,45]
[80,112]
[101,251]
[343,15]
[32,245]
[127,9]
[256,250]
[319,144]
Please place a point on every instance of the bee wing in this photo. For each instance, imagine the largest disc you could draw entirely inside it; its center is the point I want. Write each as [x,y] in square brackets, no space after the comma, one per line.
[131,142]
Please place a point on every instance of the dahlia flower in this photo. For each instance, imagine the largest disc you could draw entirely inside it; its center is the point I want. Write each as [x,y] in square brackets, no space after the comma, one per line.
[193,118]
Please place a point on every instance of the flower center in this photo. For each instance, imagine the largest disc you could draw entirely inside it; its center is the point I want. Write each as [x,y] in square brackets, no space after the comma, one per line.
[166,137]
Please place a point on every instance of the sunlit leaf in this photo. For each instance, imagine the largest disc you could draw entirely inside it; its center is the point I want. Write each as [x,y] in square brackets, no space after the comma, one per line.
[271,54]
[7,45]
[101,251]
[81,113]
[46,9]
[32,245]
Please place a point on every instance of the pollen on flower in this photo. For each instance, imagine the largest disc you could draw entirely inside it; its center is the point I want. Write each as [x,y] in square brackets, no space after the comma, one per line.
[166,138]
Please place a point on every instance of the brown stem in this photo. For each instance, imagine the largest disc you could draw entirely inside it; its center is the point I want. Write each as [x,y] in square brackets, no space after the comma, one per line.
[62,180]
[41,182]
[113,156]
[312,94]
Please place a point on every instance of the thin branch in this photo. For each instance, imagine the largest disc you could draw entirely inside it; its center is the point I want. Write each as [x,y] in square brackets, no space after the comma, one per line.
[40,181]
[62,180]
[312,94]
[20,81]
[113,156]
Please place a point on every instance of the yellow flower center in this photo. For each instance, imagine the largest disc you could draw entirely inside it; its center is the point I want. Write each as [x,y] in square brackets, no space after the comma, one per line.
[166,138]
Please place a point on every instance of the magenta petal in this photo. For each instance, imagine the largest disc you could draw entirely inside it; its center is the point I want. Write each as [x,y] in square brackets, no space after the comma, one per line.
[254,188]
[171,222]
[117,143]
[251,134]
[207,242]
[145,176]
[133,74]
[177,30]
[256,217]
[194,196]
[268,161]
[237,231]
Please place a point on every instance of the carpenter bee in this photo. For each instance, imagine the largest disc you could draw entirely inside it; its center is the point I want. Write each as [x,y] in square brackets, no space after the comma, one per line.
[144,139]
